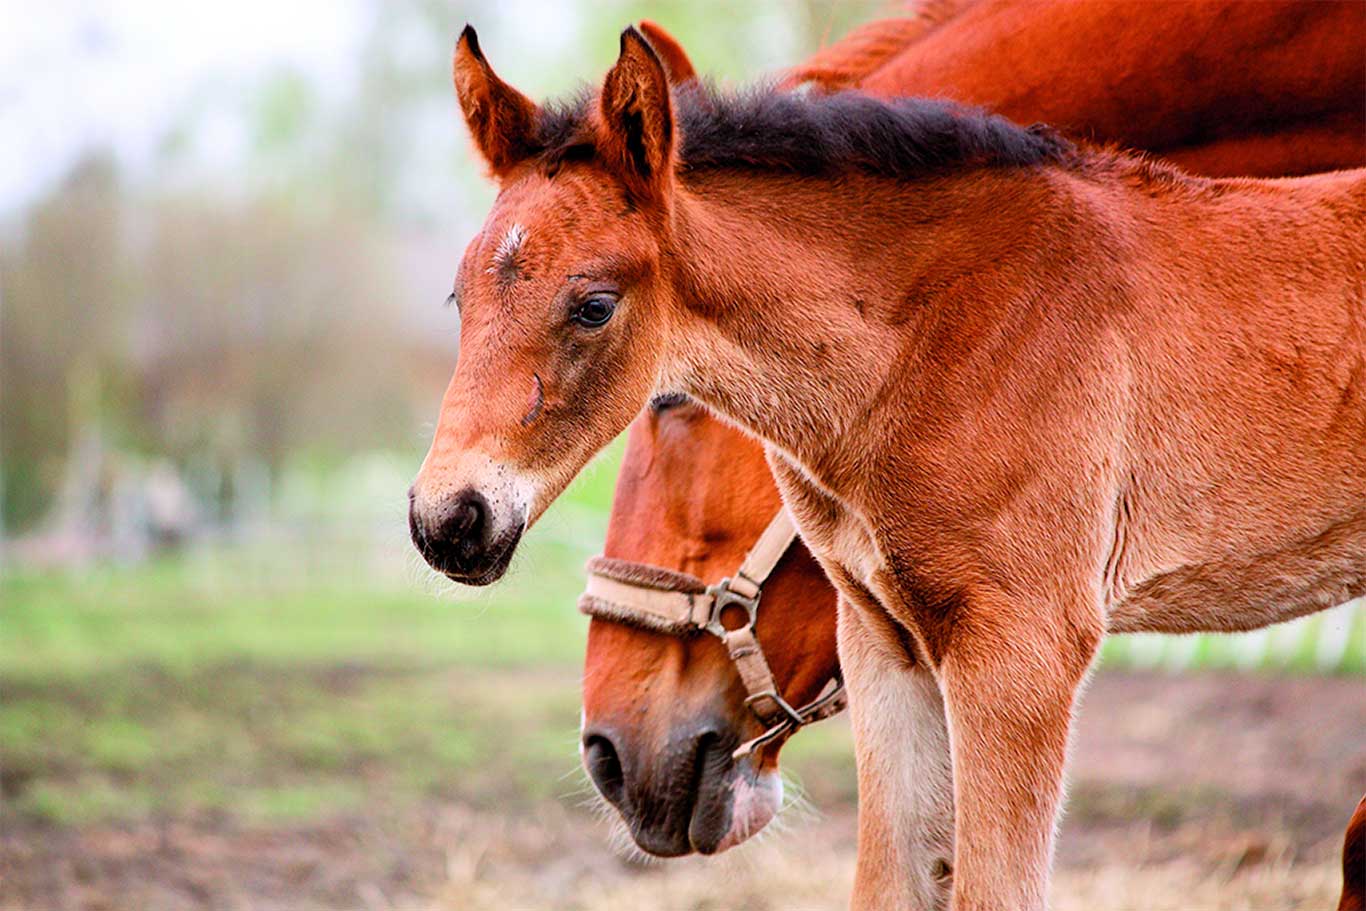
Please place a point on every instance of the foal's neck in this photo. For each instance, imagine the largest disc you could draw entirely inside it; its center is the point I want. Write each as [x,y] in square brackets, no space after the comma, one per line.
[806,298]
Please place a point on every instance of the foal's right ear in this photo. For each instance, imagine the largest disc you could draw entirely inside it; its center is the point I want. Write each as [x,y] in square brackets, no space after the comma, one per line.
[636,135]
[501,119]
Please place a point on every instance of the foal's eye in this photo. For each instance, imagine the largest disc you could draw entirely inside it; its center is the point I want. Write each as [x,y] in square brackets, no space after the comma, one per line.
[452,300]
[594,312]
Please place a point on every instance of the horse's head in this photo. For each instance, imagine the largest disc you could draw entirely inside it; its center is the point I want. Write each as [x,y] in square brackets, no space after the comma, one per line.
[664,711]
[563,300]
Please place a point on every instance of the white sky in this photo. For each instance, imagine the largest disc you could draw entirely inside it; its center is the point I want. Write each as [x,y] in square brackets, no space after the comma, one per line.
[76,73]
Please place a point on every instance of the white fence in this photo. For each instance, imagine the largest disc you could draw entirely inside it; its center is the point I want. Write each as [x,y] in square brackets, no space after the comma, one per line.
[1331,641]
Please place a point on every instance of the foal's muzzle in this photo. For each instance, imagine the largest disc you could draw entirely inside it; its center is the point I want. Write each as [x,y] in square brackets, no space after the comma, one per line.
[459,537]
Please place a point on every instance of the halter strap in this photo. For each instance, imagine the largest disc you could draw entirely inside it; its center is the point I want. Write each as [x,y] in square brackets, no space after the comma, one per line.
[679,604]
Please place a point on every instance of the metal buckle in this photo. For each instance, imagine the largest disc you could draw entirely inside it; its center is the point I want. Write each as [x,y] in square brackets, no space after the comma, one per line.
[793,715]
[722,597]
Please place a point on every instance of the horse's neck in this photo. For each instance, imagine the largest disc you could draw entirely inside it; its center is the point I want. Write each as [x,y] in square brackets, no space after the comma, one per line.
[805,298]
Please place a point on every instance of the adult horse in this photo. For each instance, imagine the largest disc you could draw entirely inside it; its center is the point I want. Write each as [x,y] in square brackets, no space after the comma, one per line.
[664,707]
[1016,393]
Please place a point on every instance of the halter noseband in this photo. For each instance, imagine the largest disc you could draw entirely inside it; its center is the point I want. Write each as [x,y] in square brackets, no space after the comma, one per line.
[680,604]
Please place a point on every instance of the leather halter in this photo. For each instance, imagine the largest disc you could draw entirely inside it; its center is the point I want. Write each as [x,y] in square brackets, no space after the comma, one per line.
[680,604]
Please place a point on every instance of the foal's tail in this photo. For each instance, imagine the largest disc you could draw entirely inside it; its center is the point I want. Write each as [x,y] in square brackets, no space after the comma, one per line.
[1354,862]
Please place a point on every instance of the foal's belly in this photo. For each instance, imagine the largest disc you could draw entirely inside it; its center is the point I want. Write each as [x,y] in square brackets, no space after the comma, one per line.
[1250,590]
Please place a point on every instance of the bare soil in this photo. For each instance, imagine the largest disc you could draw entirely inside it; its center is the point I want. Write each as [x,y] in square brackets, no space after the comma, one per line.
[1195,793]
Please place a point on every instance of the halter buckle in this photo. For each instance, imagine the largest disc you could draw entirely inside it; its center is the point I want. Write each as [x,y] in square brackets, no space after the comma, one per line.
[722,597]
[794,716]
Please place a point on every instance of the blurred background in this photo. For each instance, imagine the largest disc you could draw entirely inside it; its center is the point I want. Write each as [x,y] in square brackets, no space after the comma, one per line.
[225,678]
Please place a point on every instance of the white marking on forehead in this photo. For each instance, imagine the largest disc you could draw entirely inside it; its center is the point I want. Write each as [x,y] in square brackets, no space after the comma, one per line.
[506,255]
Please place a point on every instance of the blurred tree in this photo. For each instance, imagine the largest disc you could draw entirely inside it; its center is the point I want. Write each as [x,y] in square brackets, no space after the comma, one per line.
[68,292]
[228,309]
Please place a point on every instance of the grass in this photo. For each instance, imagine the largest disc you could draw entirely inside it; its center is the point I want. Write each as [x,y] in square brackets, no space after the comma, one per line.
[294,677]
[297,676]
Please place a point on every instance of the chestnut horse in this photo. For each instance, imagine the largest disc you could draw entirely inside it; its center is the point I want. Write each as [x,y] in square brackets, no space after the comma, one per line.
[695,493]
[1015,392]
[1354,862]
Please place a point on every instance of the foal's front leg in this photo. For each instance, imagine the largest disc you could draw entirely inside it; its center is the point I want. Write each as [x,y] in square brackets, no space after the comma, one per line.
[905,778]
[1010,677]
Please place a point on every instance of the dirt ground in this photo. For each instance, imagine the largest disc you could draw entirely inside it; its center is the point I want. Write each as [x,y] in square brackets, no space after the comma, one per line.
[1189,793]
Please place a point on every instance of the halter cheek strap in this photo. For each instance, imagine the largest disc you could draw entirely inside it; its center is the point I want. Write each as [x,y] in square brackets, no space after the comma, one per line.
[680,604]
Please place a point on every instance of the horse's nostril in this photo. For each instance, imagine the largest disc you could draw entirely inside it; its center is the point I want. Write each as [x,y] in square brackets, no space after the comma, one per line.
[705,758]
[604,767]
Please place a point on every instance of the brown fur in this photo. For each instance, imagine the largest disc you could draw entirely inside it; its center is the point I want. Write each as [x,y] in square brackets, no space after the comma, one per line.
[1223,87]
[713,479]
[956,408]
[1354,862]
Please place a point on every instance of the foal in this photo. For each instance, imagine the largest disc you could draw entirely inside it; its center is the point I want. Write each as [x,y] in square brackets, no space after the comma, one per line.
[695,493]
[1015,393]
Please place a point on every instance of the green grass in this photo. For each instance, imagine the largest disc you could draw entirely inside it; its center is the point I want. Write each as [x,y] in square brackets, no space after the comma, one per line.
[266,743]
[181,615]
[297,678]
[317,674]
[317,595]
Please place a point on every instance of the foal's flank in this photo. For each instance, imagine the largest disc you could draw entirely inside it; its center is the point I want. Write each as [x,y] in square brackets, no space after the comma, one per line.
[1016,392]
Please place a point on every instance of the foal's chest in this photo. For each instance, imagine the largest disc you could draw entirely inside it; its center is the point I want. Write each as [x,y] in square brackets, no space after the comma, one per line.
[834,533]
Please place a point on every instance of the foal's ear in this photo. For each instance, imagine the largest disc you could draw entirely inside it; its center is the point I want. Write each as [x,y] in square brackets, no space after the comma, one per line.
[677,66]
[501,119]
[637,130]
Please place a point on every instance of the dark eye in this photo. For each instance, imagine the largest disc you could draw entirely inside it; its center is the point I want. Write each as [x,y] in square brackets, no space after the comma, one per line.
[594,312]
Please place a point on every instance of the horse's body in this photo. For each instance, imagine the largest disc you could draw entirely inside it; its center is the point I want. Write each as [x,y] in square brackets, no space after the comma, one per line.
[1354,862]
[1267,89]
[1015,394]
[695,493]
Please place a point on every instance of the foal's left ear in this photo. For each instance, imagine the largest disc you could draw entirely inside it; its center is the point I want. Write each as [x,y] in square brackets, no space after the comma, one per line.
[637,129]
[501,119]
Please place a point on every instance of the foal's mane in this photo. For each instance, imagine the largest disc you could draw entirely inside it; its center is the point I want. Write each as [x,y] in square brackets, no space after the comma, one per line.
[814,134]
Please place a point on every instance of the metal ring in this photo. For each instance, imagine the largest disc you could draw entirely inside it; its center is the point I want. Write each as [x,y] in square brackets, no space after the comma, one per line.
[723,596]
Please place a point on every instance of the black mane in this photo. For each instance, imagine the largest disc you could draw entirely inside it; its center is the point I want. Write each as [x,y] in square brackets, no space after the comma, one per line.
[817,134]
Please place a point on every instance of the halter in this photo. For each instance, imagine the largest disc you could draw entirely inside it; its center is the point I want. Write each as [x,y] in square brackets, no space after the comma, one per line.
[680,604]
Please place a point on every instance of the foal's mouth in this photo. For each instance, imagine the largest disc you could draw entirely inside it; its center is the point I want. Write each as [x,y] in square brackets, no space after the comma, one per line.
[467,568]
[503,550]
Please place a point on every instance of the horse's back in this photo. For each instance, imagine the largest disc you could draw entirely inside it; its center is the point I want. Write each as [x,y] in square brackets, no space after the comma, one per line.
[1308,71]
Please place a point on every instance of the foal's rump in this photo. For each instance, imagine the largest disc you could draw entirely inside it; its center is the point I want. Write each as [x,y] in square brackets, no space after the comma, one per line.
[1245,500]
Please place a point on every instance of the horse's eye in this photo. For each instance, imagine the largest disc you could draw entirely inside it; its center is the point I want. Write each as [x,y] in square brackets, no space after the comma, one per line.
[595,311]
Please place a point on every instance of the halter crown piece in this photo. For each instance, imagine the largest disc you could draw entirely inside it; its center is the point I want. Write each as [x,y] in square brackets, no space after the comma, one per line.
[680,604]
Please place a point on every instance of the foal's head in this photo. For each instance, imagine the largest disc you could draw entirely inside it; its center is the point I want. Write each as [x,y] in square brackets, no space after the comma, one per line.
[572,295]
[663,713]
[562,301]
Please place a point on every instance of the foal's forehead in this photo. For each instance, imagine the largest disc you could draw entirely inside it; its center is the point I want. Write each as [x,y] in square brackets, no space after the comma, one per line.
[549,229]
[551,204]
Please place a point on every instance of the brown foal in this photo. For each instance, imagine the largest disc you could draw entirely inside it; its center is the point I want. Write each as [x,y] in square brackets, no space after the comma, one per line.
[694,492]
[1015,394]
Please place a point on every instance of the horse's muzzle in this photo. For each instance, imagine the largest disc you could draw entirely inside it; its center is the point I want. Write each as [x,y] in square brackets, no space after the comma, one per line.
[675,800]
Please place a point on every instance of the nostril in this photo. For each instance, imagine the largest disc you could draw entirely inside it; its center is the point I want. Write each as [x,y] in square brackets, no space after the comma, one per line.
[604,767]
[705,759]
[469,516]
